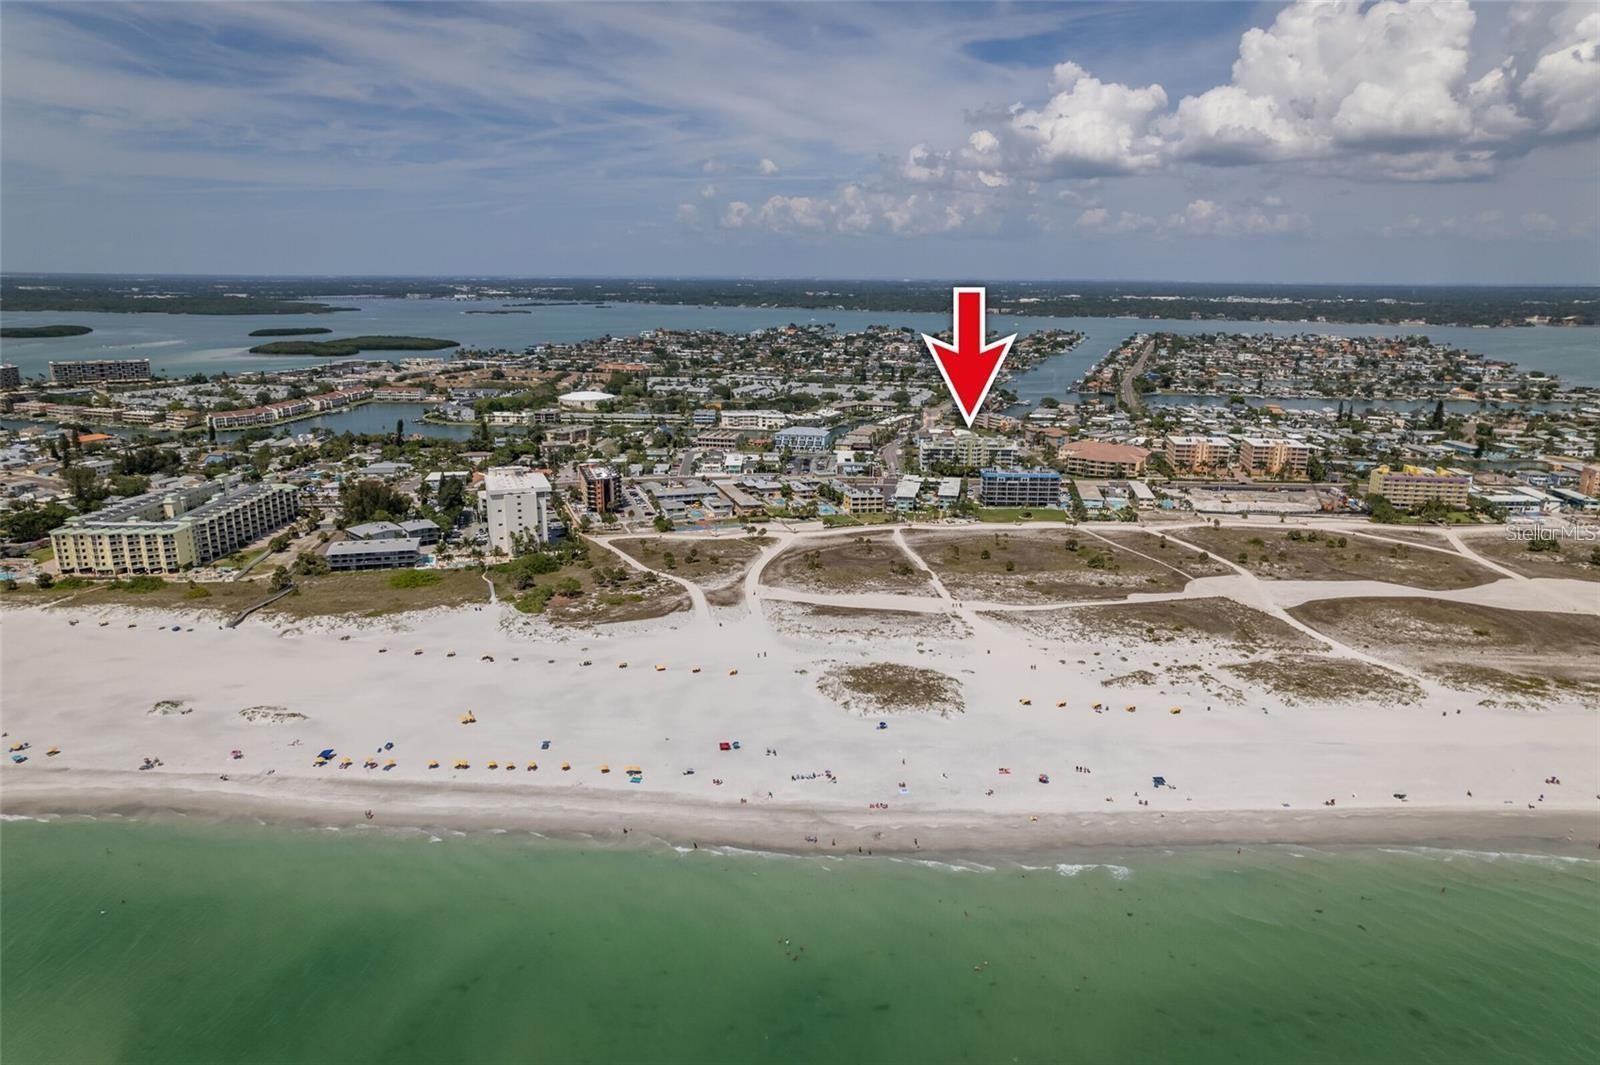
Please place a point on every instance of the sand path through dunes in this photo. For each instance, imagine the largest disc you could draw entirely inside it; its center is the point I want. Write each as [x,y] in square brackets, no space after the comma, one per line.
[697,595]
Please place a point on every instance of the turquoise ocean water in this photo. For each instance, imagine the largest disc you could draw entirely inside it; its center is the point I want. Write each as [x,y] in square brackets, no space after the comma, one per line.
[184,943]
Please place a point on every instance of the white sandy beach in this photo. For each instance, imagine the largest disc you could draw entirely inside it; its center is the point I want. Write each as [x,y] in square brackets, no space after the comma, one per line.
[1258,768]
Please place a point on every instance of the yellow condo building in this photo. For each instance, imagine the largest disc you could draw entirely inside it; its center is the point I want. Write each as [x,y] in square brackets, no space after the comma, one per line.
[172,530]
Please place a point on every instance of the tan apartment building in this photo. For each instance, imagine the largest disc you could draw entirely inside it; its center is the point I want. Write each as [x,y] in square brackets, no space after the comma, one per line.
[1198,453]
[1274,456]
[171,531]
[1589,481]
[1101,458]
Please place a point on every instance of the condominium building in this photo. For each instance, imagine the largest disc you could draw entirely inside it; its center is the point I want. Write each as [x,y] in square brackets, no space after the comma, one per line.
[516,507]
[1589,481]
[907,491]
[1100,458]
[171,530]
[99,371]
[387,553]
[10,376]
[1410,487]
[602,486]
[808,438]
[963,447]
[754,419]
[858,499]
[1020,488]
[1193,453]
[1274,456]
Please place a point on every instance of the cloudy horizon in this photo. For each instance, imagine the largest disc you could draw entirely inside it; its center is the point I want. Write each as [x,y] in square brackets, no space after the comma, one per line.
[1437,143]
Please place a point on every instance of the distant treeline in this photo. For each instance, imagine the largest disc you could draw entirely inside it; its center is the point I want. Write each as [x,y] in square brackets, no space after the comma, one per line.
[1379,304]
[305,332]
[352,345]
[24,332]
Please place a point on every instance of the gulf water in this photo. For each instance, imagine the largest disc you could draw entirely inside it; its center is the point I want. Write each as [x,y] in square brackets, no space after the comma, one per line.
[161,942]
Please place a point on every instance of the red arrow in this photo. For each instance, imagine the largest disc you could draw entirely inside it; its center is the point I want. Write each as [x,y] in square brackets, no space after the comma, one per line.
[971,366]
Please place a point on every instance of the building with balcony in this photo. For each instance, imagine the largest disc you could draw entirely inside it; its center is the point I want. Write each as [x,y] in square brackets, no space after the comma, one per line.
[171,530]
[516,507]
[1020,488]
[1101,459]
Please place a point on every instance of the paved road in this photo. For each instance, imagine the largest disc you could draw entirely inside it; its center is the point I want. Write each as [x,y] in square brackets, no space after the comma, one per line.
[1130,395]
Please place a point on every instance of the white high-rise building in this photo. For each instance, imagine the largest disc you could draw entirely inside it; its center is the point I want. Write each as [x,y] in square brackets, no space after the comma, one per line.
[516,504]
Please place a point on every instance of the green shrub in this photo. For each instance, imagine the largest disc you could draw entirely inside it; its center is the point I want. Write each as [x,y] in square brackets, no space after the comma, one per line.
[196,591]
[140,585]
[533,600]
[414,578]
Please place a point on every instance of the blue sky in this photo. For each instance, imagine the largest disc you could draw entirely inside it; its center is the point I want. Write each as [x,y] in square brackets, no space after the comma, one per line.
[1435,142]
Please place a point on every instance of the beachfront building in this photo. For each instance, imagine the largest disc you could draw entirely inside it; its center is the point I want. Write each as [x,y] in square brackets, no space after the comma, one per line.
[906,492]
[805,438]
[1274,456]
[602,486]
[965,448]
[1198,453]
[949,492]
[388,553]
[860,499]
[171,530]
[99,371]
[1101,459]
[1020,488]
[516,507]
[1411,487]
